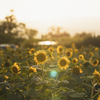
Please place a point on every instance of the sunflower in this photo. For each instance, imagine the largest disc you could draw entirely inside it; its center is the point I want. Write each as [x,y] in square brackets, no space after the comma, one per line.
[40,57]
[76,50]
[96,48]
[32,50]
[63,63]
[95,62]
[68,54]
[91,54]
[50,49]
[32,70]
[76,70]
[7,64]
[98,97]
[59,49]
[5,77]
[70,49]
[74,60]
[81,57]
[15,69]
[97,76]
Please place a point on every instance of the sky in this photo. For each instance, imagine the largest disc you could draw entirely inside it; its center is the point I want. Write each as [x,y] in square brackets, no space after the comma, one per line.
[74,16]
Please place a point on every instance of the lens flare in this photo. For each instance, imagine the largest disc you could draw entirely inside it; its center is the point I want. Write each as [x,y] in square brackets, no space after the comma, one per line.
[53,73]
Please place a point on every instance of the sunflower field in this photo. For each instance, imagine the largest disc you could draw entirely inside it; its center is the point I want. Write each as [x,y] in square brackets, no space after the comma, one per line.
[51,73]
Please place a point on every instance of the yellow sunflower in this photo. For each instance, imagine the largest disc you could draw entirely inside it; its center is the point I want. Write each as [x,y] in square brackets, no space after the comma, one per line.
[97,76]
[15,69]
[81,57]
[96,48]
[32,70]
[68,54]
[63,63]
[76,70]
[32,50]
[50,49]
[76,50]
[59,49]
[91,54]
[40,57]
[5,77]
[98,97]
[95,62]
[70,49]
[74,60]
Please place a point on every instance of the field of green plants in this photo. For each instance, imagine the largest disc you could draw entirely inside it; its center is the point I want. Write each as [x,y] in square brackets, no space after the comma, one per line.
[50,73]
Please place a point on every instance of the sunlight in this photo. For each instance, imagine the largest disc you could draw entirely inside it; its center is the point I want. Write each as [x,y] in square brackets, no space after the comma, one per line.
[47,43]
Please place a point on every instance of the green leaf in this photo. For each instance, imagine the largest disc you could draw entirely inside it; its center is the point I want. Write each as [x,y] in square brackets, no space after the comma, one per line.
[13,96]
[42,82]
[87,77]
[87,85]
[77,95]
[65,81]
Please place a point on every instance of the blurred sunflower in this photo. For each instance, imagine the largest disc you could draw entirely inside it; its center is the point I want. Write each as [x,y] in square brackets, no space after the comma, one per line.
[76,50]
[32,70]
[5,77]
[74,60]
[97,76]
[70,49]
[98,97]
[32,50]
[63,63]
[68,54]
[59,49]
[95,62]
[91,54]
[7,64]
[81,57]
[96,48]
[76,70]
[40,57]
[15,69]
[50,49]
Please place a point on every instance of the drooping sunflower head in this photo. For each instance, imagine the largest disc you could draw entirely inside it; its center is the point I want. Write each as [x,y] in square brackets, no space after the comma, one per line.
[15,69]
[50,49]
[40,57]
[74,60]
[63,63]
[68,53]
[59,49]
[32,70]
[76,70]
[81,57]
[95,62]
[97,76]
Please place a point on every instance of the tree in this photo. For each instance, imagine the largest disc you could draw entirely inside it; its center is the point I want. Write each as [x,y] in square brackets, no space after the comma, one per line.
[31,33]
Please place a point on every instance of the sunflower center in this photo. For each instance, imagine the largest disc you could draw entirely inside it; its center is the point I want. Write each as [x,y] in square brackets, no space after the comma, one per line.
[15,69]
[95,62]
[41,57]
[63,62]
[68,53]
[74,61]
[60,49]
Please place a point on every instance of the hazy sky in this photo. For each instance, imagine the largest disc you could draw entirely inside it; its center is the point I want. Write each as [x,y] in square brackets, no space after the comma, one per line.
[73,15]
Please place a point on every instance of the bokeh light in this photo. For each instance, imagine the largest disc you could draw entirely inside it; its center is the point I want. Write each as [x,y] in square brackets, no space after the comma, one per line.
[53,73]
